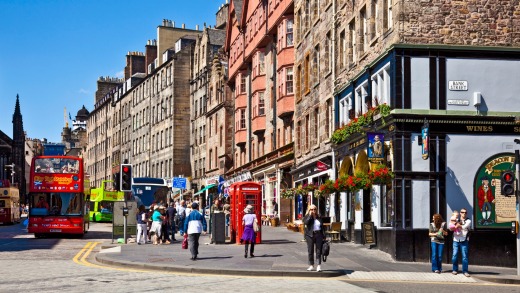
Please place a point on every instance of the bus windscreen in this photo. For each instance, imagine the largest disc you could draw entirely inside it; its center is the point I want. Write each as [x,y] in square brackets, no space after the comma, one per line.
[56,204]
[146,194]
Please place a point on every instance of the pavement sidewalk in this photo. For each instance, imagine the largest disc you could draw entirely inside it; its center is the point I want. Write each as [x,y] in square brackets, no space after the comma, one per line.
[283,253]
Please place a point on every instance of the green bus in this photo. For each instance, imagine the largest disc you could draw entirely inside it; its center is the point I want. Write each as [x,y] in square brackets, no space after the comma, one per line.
[102,202]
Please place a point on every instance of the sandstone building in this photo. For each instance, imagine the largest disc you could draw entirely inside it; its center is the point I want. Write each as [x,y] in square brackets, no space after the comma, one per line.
[259,43]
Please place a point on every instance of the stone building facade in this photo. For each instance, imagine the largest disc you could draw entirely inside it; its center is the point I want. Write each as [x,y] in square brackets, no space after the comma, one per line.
[143,119]
[314,100]
[211,120]
[6,145]
[404,66]
[98,157]
[260,49]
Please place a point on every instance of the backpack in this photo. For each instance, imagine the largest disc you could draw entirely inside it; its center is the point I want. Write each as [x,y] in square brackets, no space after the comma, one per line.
[325,249]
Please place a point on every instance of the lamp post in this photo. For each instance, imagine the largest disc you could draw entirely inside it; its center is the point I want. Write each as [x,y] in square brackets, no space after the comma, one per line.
[12,166]
[517,193]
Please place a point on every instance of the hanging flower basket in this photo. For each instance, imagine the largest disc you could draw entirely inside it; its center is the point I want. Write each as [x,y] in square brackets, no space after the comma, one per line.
[290,193]
[381,175]
[287,193]
[354,183]
[309,187]
[328,187]
[356,125]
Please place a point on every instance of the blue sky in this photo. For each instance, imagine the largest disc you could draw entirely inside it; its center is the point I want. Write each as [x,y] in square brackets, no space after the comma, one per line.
[53,51]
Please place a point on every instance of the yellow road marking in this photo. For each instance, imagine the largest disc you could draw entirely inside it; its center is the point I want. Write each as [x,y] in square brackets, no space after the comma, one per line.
[82,251]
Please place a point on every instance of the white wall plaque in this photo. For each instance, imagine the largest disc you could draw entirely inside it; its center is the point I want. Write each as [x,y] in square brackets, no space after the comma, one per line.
[458,85]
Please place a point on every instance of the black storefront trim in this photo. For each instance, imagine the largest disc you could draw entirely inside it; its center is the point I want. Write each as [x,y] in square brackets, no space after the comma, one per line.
[433,83]
[442,84]
[407,83]
[310,168]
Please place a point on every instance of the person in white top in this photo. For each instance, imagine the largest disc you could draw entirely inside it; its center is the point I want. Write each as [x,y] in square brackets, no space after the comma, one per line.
[314,235]
[249,234]
[461,241]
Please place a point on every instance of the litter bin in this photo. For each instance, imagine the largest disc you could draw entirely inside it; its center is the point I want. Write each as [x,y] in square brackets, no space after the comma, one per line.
[218,228]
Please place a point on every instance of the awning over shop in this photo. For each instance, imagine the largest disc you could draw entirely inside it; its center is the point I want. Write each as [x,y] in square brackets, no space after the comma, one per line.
[205,188]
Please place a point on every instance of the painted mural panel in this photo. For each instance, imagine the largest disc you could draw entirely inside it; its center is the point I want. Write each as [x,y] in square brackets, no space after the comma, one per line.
[492,209]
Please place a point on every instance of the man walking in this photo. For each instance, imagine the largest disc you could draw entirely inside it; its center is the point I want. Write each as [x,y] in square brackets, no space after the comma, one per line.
[461,240]
[194,224]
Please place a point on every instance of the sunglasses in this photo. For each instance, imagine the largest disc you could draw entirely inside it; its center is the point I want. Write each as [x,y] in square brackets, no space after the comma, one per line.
[463,212]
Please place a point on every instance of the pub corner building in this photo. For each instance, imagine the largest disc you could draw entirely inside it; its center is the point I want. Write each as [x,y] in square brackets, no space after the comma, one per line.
[448,133]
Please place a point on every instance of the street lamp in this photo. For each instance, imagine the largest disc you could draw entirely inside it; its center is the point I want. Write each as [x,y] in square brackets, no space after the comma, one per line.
[12,172]
[517,193]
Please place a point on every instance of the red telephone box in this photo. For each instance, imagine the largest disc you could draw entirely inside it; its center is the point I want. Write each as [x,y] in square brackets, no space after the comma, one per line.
[243,194]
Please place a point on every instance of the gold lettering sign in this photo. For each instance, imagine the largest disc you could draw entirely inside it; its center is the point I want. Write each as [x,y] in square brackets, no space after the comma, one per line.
[357,143]
[491,165]
[368,233]
[479,128]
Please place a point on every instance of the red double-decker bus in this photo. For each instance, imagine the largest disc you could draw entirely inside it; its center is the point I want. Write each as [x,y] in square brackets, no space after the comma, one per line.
[57,199]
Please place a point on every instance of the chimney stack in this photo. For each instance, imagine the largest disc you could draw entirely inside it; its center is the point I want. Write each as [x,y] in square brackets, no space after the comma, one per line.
[135,63]
[150,52]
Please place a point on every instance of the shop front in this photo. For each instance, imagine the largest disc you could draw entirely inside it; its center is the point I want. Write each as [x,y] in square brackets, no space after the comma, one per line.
[447,133]
[306,181]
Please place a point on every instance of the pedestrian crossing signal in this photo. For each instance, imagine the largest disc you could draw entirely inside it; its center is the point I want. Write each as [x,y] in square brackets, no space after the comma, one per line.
[507,181]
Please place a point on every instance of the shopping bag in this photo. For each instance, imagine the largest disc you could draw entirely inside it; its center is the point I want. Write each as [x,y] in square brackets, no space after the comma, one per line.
[185,242]
[325,249]
[256,228]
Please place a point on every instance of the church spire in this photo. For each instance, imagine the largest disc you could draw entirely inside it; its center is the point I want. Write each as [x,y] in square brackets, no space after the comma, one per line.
[17,112]
[18,154]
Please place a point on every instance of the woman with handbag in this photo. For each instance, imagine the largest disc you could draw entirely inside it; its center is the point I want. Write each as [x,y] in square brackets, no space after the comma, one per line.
[249,222]
[314,235]
[437,232]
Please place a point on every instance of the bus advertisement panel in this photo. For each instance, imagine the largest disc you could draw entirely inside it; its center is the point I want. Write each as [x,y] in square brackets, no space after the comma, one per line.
[57,174]
[102,202]
[57,201]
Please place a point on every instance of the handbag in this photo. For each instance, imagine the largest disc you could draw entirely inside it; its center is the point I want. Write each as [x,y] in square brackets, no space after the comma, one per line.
[256,228]
[185,241]
[325,249]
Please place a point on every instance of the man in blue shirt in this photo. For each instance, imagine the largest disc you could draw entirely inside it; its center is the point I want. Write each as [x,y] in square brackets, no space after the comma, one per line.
[194,225]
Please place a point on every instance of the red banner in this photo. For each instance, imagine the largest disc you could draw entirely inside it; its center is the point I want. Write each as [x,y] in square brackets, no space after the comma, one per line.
[321,166]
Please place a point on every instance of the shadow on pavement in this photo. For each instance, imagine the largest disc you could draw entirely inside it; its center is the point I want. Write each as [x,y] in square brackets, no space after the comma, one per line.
[277,241]
[214,257]
[269,255]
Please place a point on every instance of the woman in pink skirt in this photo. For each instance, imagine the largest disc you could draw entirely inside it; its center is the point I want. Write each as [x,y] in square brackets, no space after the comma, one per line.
[249,235]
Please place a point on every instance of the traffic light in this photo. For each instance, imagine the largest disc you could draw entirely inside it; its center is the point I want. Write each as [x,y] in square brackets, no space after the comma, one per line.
[507,182]
[115,180]
[126,177]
